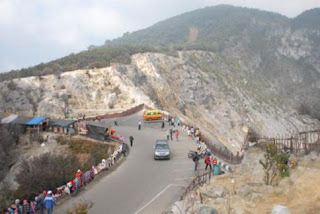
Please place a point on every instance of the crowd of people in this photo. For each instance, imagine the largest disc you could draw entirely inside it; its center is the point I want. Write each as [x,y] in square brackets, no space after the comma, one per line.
[46,200]
[209,161]
[174,124]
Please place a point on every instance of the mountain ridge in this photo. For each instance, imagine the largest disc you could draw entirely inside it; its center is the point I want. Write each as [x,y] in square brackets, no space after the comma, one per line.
[60,65]
[252,52]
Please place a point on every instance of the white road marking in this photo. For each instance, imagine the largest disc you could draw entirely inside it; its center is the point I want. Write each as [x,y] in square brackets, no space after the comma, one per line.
[170,185]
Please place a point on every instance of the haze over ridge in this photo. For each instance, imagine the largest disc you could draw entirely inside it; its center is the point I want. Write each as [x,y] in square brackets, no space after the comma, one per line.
[42,31]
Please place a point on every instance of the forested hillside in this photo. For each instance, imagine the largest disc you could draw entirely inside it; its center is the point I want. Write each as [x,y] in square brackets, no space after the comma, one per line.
[308,19]
[97,58]
[211,28]
[269,56]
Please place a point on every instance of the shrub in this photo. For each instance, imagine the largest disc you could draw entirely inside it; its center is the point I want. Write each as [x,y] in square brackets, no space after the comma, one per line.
[62,140]
[7,154]
[282,165]
[81,208]
[274,163]
[98,153]
[269,163]
[47,171]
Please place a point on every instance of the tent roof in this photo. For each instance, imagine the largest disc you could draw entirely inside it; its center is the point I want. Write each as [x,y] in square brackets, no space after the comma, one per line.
[98,124]
[36,121]
[9,119]
[22,120]
[61,123]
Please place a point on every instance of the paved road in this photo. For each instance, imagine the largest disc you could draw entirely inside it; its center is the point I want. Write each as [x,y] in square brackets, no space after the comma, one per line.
[140,184]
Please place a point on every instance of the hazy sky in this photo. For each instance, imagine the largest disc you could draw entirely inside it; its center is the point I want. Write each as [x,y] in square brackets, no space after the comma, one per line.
[35,31]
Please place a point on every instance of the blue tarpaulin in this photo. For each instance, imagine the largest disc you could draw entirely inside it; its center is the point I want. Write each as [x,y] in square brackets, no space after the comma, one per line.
[36,121]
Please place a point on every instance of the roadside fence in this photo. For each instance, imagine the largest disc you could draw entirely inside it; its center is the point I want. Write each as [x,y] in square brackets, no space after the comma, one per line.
[117,114]
[299,143]
[200,180]
[221,153]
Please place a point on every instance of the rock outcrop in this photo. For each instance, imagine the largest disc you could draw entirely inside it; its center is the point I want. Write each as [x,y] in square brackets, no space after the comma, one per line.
[193,85]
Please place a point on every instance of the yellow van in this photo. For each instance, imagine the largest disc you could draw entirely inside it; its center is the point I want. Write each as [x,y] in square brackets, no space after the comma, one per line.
[152,115]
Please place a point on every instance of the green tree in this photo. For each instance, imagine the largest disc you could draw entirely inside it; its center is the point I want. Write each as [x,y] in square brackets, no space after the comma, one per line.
[274,163]
[282,164]
[269,163]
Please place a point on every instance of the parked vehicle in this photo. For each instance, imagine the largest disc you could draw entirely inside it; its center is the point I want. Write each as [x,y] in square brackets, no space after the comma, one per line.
[152,115]
[161,150]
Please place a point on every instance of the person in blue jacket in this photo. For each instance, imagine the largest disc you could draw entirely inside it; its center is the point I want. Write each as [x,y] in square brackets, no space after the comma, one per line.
[49,202]
[123,149]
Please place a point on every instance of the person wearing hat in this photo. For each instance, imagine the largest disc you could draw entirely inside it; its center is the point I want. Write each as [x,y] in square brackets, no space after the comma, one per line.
[78,176]
[49,202]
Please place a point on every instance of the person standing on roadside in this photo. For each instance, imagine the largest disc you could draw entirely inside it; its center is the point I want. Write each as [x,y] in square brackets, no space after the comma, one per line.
[168,134]
[162,125]
[177,133]
[39,201]
[214,162]
[49,202]
[171,132]
[196,159]
[139,125]
[123,149]
[131,140]
[208,162]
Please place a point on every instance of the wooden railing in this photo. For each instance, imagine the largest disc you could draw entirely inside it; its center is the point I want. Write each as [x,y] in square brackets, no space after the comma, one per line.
[196,182]
[300,143]
[118,114]
[221,153]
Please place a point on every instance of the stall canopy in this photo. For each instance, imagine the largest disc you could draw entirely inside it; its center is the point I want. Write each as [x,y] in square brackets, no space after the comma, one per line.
[18,125]
[96,131]
[36,121]
[9,119]
[61,123]
[22,120]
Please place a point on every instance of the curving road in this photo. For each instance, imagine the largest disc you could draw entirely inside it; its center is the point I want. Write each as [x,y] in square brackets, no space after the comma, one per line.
[140,184]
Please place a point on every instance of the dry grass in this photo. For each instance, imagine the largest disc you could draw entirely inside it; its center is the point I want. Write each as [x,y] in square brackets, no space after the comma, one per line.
[300,193]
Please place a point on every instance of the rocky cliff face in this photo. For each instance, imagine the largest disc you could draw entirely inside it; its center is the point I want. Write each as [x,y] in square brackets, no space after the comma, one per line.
[90,92]
[203,88]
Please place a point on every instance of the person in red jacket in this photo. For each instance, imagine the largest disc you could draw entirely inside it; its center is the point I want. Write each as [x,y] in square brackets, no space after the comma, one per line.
[214,162]
[208,162]
[177,133]
[79,176]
